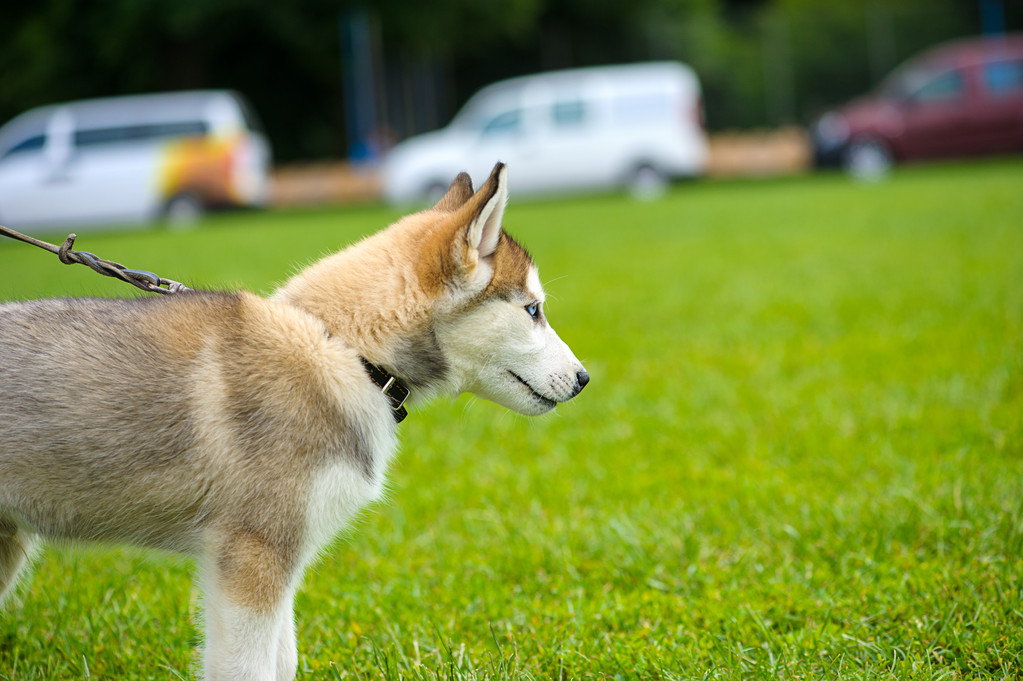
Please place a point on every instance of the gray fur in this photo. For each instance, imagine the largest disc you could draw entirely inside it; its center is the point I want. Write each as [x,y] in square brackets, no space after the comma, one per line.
[420,361]
[97,435]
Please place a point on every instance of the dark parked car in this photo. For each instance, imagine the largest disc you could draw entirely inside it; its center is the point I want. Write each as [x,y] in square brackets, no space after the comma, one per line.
[960,99]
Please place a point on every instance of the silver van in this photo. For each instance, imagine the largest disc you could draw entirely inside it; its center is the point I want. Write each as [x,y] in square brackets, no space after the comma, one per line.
[132,159]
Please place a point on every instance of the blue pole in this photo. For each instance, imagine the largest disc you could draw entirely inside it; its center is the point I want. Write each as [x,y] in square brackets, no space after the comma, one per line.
[358,84]
[992,17]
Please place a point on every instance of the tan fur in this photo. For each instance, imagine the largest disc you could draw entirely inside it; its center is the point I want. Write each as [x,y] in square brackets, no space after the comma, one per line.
[246,431]
[255,571]
[458,193]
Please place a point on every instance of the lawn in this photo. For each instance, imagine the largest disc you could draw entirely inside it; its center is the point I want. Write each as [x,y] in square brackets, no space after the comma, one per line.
[800,455]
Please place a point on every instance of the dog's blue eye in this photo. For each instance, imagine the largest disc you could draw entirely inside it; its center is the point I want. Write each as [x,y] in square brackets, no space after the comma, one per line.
[534,310]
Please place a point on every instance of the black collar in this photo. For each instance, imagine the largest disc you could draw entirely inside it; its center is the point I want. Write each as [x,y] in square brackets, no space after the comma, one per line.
[390,386]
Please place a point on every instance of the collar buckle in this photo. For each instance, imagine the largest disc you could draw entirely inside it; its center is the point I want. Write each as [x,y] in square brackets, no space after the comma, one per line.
[396,391]
[391,387]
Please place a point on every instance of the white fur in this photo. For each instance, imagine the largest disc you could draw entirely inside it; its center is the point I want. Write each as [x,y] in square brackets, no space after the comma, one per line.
[485,230]
[243,645]
[497,341]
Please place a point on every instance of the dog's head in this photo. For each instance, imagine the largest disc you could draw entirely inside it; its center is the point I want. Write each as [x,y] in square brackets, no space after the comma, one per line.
[492,326]
[446,301]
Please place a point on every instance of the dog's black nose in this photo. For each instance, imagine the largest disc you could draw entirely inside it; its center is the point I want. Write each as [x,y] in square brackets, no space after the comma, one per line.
[583,378]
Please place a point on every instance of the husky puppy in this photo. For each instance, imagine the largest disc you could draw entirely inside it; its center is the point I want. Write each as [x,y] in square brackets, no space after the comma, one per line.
[247,431]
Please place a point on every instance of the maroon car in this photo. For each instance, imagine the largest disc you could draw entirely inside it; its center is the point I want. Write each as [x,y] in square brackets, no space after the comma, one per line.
[960,99]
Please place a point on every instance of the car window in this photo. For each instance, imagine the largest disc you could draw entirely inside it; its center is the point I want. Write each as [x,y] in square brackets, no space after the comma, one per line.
[135,133]
[30,144]
[942,88]
[904,81]
[507,122]
[894,86]
[1003,77]
[568,114]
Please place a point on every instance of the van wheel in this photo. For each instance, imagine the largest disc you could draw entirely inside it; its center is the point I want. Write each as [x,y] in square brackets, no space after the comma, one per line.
[647,183]
[868,159]
[182,211]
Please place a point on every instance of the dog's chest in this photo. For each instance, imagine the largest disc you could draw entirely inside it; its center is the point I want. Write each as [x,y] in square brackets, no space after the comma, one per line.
[339,490]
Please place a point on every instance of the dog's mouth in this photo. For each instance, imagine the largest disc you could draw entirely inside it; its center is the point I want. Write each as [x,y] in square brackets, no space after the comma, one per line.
[545,401]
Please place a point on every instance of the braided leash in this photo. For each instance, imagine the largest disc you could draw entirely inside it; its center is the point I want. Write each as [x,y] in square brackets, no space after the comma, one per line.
[147,281]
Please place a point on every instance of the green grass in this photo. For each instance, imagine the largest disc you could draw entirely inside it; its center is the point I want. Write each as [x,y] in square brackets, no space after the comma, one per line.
[799,457]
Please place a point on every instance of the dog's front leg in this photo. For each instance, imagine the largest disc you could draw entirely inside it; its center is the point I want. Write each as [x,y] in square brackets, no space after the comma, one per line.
[248,591]
[287,649]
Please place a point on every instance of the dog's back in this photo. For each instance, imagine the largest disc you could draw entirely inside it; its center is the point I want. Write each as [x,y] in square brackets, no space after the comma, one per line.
[143,419]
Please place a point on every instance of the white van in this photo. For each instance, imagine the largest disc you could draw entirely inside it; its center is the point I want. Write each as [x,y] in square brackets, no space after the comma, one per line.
[131,159]
[634,126]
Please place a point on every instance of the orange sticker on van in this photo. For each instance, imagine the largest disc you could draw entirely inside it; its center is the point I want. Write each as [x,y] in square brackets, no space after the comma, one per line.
[200,166]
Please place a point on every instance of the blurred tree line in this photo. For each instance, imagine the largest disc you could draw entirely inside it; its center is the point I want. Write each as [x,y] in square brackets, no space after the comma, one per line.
[762,62]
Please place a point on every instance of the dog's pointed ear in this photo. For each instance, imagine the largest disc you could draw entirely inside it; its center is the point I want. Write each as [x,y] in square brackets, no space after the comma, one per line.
[457,194]
[467,236]
[484,226]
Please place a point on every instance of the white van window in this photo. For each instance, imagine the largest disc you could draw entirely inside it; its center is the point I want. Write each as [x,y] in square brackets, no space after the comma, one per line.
[33,143]
[507,122]
[568,113]
[138,133]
